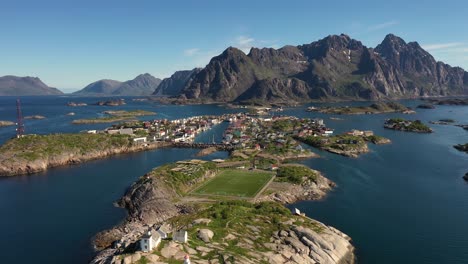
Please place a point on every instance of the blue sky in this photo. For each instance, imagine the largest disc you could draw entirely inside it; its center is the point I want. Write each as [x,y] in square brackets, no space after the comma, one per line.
[69,44]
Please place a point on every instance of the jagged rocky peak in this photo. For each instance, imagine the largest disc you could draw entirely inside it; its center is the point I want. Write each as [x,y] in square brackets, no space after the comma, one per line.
[336,66]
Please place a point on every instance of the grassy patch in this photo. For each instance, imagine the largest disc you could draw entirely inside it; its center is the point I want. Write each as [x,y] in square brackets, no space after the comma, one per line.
[32,147]
[295,174]
[239,183]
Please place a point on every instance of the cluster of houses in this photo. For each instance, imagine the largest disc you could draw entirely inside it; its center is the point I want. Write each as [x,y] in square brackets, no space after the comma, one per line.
[153,237]
[257,132]
[178,130]
[365,133]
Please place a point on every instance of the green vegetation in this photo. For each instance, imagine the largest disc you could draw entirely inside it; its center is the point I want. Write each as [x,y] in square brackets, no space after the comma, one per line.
[295,174]
[407,125]
[343,142]
[183,175]
[242,220]
[32,147]
[238,183]
[114,116]
[447,120]
[379,107]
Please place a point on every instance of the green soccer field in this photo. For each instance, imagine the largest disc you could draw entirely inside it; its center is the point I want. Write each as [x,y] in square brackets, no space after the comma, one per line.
[239,183]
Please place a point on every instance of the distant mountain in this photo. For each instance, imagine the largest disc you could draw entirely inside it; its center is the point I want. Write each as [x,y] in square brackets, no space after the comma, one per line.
[101,87]
[176,83]
[336,67]
[143,84]
[16,86]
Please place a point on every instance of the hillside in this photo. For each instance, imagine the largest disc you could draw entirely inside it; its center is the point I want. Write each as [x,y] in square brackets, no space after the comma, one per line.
[17,86]
[143,84]
[176,83]
[336,67]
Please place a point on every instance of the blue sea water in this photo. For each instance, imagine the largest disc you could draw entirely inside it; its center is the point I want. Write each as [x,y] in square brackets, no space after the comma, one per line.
[402,203]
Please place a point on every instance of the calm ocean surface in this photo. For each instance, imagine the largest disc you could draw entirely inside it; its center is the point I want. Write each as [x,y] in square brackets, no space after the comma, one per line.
[402,203]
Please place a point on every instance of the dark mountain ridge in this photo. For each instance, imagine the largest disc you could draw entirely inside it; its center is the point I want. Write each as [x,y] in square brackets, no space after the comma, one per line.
[18,86]
[143,84]
[336,67]
[176,83]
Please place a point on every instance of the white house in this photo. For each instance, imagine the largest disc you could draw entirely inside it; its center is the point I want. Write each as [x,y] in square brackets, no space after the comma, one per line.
[149,241]
[139,140]
[164,230]
[180,236]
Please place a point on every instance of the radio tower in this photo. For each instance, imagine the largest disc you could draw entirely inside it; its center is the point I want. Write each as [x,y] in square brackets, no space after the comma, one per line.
[19,121]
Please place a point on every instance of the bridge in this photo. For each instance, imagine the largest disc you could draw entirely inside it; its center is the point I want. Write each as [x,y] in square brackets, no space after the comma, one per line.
[218,146]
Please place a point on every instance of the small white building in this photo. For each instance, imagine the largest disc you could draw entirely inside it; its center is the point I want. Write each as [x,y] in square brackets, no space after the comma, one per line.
[164,230]
[149,241]
[180,236]
[139,140]
[92,131]
[296,211]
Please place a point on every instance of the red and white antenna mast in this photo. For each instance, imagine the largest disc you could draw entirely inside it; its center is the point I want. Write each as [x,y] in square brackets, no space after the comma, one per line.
[19,120]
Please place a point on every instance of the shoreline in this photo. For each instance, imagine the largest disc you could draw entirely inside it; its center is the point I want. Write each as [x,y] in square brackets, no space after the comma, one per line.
[64,159]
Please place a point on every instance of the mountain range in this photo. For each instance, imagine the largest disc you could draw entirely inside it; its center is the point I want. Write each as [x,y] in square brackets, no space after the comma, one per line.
[335,67]
[143,84]
[20,86]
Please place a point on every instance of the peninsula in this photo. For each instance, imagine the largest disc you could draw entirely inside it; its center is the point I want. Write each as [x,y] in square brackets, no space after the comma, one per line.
[114,116]
[375,108]
[350,144]
[34,153]
[177,207]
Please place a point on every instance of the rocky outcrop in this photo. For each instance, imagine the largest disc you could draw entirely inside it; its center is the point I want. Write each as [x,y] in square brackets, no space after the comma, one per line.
[333,67]
[288,193]
[6,123]
[205,235]
[152,200]
[11,165]
[17,86]
[176,83]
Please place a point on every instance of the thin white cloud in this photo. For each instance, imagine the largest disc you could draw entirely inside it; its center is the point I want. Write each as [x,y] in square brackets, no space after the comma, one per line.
[382,25]
[442,46]
[244,43]
[191,52]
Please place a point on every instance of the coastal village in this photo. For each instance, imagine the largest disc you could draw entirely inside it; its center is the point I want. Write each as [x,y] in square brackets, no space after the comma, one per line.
[260,145]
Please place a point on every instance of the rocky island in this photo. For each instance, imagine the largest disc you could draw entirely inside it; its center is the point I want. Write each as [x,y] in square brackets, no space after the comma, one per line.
[375,108]
[178,205]
[463,126]
[445,121]
[462,147]
[115,102]
[426,106]
[351,144]
[74,104]
[114,116]
[6,123]
[407,125]
[449,101]
[35,117]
